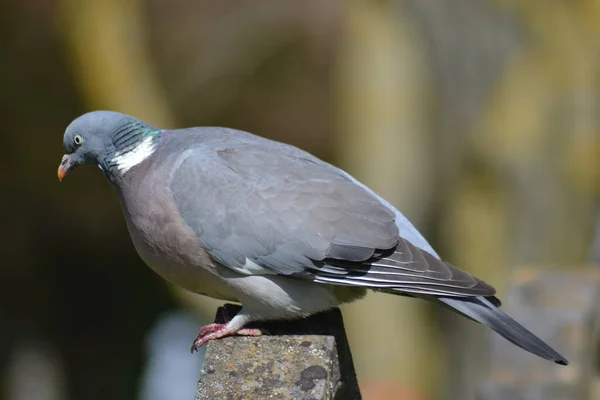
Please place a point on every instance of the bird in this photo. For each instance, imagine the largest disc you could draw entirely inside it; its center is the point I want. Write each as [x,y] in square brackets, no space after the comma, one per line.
[237,217]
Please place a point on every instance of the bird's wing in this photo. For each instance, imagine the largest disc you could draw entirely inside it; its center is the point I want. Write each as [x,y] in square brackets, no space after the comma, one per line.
[273,209]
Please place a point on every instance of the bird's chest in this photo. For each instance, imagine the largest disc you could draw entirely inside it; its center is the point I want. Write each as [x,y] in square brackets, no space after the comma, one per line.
[170,247]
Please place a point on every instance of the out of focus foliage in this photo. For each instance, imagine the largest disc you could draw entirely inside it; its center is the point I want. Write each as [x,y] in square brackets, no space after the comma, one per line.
[478,119]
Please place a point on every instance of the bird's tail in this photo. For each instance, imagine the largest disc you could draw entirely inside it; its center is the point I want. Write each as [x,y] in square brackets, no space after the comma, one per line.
[485,312]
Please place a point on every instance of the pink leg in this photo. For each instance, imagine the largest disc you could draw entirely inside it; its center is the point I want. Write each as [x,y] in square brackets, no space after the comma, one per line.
[208,329]
[217,331]
[234,325]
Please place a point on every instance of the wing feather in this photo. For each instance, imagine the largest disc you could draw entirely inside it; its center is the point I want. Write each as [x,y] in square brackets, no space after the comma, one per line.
[264,207]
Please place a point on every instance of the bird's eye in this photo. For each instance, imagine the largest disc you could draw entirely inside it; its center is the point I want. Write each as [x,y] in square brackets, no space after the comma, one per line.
[78,139]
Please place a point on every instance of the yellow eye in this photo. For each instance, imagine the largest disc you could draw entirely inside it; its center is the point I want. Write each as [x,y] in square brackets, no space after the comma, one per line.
[78,139]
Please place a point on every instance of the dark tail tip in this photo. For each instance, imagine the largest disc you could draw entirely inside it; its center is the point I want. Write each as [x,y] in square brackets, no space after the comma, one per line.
[484,312]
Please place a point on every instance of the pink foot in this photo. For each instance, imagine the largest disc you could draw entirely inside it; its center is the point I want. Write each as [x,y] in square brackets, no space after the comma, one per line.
[217,331]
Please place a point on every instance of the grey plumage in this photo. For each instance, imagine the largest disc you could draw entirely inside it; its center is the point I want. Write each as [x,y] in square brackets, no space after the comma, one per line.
[296,215]
[239,217]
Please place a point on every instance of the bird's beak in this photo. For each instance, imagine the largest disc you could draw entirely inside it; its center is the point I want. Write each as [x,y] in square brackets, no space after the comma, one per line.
[63,168]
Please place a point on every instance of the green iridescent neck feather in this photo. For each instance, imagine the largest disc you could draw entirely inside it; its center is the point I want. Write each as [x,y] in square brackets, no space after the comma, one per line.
[131,133]
[132,143]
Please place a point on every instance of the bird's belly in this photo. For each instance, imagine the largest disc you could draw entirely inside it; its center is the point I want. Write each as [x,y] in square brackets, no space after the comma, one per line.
[189,277]
[174,252]
[280,297]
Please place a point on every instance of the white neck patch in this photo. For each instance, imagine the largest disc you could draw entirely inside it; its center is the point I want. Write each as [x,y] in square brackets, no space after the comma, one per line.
[126,160]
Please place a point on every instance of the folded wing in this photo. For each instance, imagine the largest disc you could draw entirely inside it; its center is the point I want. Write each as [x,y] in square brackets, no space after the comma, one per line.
[267,208]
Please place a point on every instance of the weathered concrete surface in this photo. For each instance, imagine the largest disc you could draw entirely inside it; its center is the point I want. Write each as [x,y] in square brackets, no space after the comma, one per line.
[304,359]
[562,308]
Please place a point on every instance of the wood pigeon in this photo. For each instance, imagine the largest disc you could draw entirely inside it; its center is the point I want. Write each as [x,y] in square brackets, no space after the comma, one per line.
[238,217]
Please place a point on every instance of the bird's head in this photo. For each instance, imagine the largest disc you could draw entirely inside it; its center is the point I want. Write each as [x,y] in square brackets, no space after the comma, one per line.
[98,137]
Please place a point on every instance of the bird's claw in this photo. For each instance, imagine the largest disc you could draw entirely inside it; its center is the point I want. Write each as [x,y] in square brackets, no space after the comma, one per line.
[217,331]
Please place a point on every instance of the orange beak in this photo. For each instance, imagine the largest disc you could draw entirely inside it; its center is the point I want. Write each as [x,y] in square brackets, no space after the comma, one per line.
[63,168]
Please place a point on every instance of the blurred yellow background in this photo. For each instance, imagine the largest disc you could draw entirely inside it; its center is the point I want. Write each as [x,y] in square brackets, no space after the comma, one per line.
[479,119]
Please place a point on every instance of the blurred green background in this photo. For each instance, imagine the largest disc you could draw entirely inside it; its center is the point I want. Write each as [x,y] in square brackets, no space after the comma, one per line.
[479,119]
